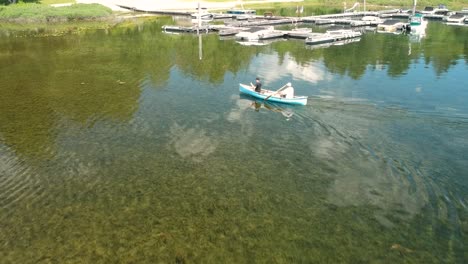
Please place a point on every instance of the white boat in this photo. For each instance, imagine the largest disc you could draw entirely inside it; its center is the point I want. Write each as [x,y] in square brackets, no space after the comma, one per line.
[300,33]
[318,38]
[332,36]
[241,12]
[230,31]
[204,17]
[244,17]
[418,25]
[439,10]
[372,18]
[416,20]
[346,41]
[259,42]
[259,33]
[457,19]
[392,26]
[366,21]
[342,34]
[337,43]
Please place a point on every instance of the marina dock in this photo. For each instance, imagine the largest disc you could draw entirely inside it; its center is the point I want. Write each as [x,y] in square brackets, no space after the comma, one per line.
[251,27]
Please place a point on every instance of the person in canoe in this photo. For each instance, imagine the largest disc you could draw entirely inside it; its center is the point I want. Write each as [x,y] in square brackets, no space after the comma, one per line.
[288,92]
[258,85]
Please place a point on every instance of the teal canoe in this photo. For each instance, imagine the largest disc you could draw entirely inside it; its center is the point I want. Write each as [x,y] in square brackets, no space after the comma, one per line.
[247,89]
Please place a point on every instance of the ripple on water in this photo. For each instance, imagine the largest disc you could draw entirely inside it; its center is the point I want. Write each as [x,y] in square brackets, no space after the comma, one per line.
[371,166]
[19,184]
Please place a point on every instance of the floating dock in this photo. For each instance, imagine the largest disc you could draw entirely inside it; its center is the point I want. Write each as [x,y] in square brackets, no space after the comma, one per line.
[261,21]
[193,29]
[230,31]
[260,28]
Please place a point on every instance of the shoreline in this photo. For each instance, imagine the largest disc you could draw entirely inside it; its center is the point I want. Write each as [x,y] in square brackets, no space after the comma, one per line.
[55,27]
[161,5]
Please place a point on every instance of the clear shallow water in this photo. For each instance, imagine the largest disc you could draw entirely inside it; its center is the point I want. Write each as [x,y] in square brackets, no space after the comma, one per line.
[123,145]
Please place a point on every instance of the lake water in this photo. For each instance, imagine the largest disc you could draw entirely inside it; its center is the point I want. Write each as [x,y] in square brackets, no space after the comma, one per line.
[121,145]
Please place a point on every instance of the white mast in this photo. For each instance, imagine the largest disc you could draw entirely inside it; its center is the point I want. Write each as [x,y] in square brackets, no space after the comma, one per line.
[200,42]
[200,47]
[415,2]
[199,16]
[241,4]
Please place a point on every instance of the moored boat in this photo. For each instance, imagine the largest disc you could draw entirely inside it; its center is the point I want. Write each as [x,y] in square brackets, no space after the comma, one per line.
[337,43]
[418,25]
[457,19]
[393,26]
[204,17]
[242,12]
[342,34]
[319,38]
[272,96]
[416,20]
[331,36]
[259,33]
[439,10]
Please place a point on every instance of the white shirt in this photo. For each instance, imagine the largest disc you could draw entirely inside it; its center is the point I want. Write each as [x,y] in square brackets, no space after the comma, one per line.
[288,92]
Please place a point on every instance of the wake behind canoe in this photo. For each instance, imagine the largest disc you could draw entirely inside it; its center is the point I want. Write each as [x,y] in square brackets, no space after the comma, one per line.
[271,96]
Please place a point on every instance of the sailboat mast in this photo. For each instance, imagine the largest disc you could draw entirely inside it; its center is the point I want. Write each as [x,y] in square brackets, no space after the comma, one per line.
[415,2]
[241,4]
[200,42]
[199,15]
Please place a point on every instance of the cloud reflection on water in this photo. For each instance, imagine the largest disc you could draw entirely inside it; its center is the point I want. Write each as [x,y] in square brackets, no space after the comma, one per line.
[273,69]
[193,143]
[362,171]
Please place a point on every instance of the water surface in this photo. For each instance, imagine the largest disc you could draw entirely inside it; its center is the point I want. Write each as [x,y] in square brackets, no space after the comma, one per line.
[121,145]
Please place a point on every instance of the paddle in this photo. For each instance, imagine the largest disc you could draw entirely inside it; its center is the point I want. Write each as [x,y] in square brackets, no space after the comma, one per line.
[277,91]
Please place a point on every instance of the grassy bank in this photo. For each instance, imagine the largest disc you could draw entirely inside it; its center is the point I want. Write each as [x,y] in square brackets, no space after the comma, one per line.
[38,12]
[44,29]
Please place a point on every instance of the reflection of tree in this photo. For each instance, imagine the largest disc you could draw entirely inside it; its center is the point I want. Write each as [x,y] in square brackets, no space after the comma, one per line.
[97,74]
[387,49]
[26,118]
[445,45]
[218,57]
[142,48]
[297,52]
[43,79]
[353,59]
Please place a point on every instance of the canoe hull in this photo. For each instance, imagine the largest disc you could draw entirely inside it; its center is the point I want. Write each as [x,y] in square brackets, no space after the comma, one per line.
[297,100]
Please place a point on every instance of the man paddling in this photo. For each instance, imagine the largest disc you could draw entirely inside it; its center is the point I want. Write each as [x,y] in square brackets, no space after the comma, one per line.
[258,85]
